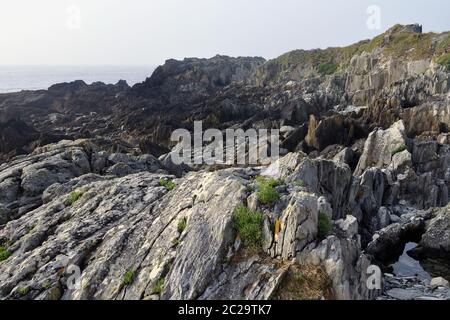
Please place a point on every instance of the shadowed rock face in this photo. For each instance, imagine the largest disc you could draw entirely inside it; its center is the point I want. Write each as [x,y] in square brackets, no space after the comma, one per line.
[375,84]
[364,132]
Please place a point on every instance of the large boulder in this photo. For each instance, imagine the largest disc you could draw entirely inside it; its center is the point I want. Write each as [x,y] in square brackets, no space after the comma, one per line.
[327,178]
[345,264]
[298,226]
[436,239]
[381,146]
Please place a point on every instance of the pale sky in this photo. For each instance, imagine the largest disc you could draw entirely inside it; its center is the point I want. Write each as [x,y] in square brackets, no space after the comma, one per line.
[147,32]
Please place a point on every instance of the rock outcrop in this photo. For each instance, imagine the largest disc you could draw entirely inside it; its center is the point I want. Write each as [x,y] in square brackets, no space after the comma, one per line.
[92,205]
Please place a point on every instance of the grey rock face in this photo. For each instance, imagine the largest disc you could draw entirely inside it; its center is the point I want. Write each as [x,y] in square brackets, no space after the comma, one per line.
[209,233]
[251,279]
[344,263]
[368,147]
[24,180]
[122,225]
[298,226]
[380,146]
[389,242]
[348,227]
[436,240]
[326,178]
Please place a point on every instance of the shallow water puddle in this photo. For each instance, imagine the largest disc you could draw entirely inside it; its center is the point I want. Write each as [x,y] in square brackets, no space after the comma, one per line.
[408,267]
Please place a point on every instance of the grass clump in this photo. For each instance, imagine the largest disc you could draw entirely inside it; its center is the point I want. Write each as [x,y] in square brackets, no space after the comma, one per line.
[46,285]
[327,68]
[399,149]
[248,224]
[74,196]
[182,224]
[23,291]
[267,193]
[444,61]
[299,183]
[159,286]
[305,282]
[168,184]
[4,254]
[175,242]
[324,225]
[129,277]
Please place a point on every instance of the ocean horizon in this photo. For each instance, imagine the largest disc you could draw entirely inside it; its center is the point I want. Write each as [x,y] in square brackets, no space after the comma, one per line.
[34,77]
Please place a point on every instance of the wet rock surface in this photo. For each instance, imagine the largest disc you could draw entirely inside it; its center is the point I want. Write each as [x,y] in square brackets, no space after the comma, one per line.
[413,288]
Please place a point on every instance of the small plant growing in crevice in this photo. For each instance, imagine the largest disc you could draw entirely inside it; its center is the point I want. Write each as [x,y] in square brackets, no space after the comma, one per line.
[128,277]
[269,181]
[324,225]
[4,254]
[267,193]
[23,291]
[399,149]
[159,286]
[168,184]
[182,224]
[175,242]
[299,183]
[46,285]
[74,196]
[248,224]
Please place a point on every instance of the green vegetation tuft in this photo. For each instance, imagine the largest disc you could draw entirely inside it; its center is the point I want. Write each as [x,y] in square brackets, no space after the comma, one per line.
[182,225]
[444,61]
[324,225]
[23,291]
[175,242]
[128,277]
[399,149]
[159,286]
[4,254]
[168,184]
[393,43]
[327,68]
[46,285]
[74,196]
[299,183]
[248,224]
[267,193]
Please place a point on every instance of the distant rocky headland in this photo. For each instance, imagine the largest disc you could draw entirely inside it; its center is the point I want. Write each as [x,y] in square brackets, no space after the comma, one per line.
[93,207]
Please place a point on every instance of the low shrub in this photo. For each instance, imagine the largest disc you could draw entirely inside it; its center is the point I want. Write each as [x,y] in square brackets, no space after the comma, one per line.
[168,184]
[4,254]
[327,68]
[248,224]
[324,225]
[267,194]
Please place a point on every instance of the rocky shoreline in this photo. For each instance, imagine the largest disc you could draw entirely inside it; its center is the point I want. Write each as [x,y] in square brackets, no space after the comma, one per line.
[93,207]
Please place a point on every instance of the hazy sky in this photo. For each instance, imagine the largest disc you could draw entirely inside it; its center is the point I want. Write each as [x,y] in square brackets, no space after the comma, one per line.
[147,32]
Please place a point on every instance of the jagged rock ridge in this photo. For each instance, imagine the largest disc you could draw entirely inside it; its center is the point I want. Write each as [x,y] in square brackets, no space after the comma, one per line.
[365,139]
